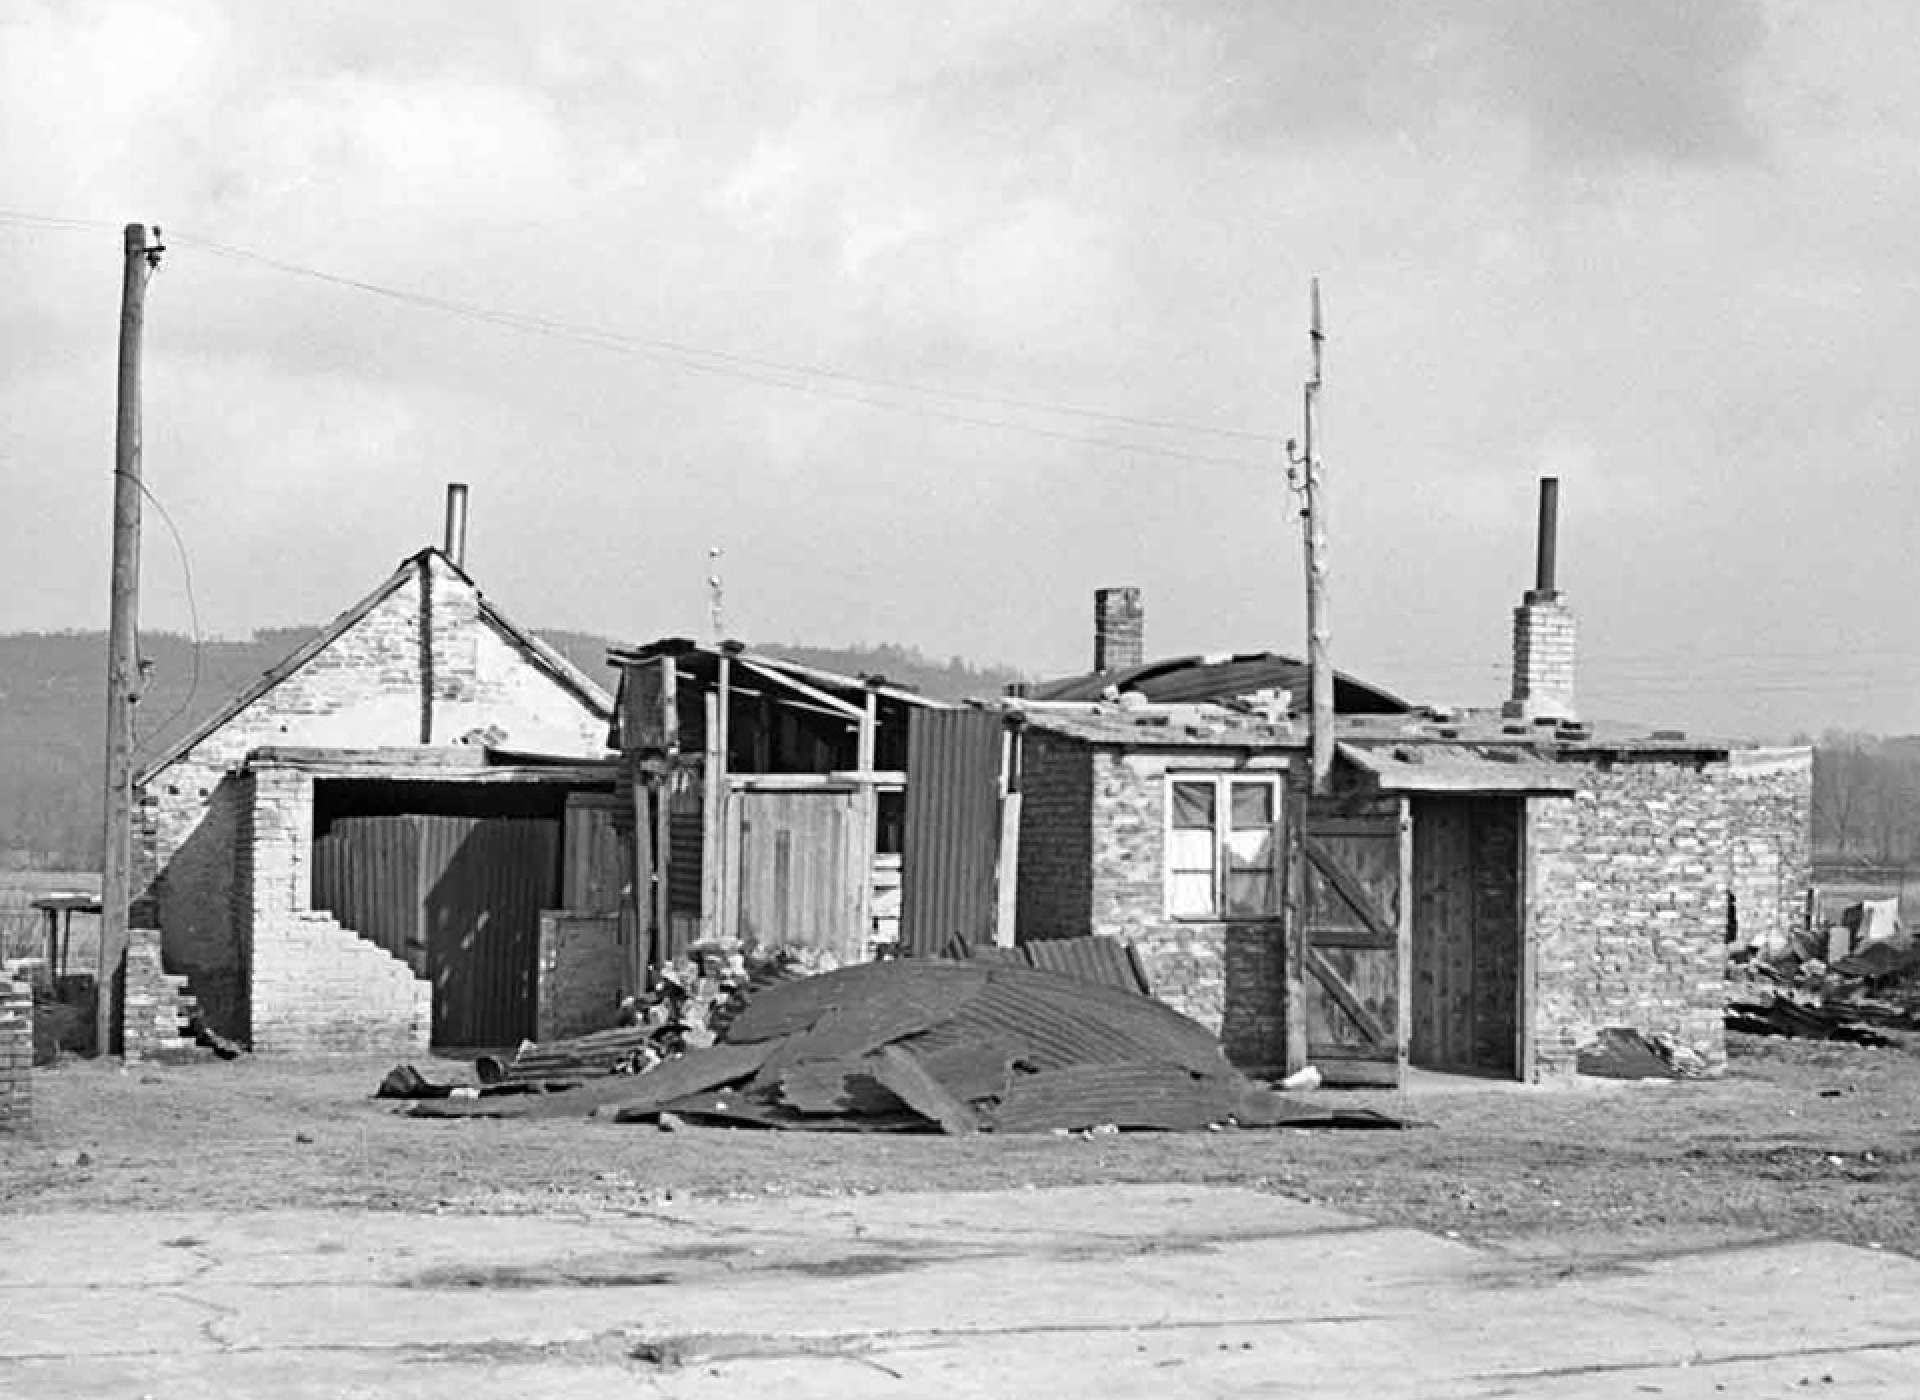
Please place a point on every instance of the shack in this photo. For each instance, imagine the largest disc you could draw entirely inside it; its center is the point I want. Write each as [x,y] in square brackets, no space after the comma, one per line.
[1478,892]
[365,847]
[763,799]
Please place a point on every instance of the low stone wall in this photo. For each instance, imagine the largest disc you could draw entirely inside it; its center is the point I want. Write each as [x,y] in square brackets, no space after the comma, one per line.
[16,1056]
[584,965]
[319,987]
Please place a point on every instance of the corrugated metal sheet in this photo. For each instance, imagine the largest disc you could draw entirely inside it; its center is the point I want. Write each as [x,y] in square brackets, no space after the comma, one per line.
[595,875]
[1096,958]
[485,883]
[1201,678]
[952,841]
[366,873]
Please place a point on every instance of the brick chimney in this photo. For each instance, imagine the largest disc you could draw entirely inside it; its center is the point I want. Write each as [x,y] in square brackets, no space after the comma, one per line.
[1119,629]
[1543,632]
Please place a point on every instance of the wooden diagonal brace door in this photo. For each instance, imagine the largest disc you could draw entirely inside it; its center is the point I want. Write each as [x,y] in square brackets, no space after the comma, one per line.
[1353,934]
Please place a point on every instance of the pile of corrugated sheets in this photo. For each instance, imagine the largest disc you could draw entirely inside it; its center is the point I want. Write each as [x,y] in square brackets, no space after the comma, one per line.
[933,1045]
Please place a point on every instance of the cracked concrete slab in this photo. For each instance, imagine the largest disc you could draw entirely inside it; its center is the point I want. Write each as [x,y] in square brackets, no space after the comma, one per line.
[1114,1291]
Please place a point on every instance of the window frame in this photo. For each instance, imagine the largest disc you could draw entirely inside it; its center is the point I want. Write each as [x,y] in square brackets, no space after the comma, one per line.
[1222,783]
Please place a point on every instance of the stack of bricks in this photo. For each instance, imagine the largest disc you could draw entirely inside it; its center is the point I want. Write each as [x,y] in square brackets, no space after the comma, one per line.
[16,1056]
[1543,659]
[157,1019]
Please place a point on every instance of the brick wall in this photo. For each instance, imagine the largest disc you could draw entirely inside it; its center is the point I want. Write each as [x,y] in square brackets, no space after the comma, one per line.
[424,655]
[583,964]
[16,1055]
[1543,659]
[1053,888]
[315,985]
[156,1010]
[1629,881]
[1093,829]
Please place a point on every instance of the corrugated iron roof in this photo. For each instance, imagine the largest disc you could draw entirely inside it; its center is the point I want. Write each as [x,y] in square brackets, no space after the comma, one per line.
[1191,679]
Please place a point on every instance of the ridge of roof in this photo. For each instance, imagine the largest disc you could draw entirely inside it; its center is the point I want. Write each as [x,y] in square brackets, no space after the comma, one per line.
[544,654]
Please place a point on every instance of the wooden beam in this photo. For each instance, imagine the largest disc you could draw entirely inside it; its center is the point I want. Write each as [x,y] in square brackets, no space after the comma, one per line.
[1294,930]
[1348,888]
[819,697]
[713,797]
[869,733]
[1403,954]
[1329,977]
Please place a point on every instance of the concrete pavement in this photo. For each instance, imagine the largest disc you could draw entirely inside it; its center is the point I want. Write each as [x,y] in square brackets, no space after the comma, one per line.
[1114,1291]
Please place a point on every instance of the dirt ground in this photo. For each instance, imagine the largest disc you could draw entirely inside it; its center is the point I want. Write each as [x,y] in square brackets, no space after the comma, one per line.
[1798,1140]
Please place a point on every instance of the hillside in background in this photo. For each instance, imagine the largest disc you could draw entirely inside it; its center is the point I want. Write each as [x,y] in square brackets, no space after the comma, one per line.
[53,714]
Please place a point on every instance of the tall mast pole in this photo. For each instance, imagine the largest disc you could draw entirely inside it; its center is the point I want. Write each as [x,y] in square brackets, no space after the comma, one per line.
[1314,525]
[123,660]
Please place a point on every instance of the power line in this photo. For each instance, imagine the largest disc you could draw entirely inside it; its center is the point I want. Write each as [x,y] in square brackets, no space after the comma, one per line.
[747,368]
[193,611]
[685,348]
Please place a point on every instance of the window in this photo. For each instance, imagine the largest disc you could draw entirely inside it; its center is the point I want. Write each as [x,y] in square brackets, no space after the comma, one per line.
[1223,847]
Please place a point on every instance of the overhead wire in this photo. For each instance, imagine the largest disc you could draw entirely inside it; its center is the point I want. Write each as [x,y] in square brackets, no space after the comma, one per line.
[762,371]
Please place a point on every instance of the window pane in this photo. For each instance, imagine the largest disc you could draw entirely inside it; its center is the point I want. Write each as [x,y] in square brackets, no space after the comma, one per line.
[1190,852]
[1190,896]
[1252,894]
[1252,805]
[1193,805]
[1250,850]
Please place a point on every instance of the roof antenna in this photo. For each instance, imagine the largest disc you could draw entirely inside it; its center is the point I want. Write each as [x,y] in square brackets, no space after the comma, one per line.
[716,593]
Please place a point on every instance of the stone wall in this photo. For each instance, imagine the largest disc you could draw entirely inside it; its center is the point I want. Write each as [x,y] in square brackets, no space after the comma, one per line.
[584,963]
[1629,881]
[1093,827]
[424,664]
[16,1056]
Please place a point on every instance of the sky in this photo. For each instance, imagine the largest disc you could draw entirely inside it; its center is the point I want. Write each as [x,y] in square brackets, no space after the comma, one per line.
[933,318]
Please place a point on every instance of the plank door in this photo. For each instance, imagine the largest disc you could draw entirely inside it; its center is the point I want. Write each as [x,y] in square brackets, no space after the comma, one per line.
[800,877]
[1353,941]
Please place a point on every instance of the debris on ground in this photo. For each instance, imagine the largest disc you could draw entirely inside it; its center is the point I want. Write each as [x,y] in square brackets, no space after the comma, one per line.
[1623,1052]
[1782,1015]
[1850,982]
[934,1045]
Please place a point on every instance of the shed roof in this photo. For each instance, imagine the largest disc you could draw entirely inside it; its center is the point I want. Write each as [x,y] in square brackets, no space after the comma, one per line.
[1462,742]
[702,662]
[1192,679]
[542,655]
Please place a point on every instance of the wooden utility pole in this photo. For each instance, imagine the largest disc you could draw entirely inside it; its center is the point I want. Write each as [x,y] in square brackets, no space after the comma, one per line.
[123,659]
[1313,519]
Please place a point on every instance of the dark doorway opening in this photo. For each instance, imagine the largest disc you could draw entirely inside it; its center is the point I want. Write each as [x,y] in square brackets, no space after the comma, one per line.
[451,878]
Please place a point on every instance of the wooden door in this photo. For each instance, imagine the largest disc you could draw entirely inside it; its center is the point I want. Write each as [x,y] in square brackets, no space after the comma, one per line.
[1352,941]
[799,874]
[1466,934]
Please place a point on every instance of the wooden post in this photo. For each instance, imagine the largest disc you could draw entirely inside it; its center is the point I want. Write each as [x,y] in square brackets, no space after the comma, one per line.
[663,782]
[123,659]
[712,806]
[1294,928]
[1314,522]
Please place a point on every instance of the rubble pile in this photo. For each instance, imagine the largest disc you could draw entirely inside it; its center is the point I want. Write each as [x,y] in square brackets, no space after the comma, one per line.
[687,1006]
[931,1045]
[1852,982]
